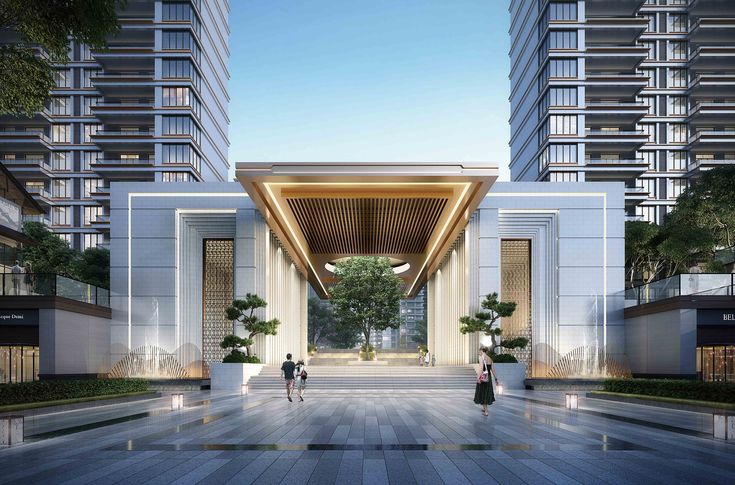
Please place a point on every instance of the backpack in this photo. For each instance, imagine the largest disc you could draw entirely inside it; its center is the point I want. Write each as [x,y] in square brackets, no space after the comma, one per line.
[303,374]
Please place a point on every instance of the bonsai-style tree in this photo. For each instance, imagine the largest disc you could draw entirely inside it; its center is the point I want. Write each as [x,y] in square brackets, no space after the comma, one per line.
[367,296]
[484,321]
[234,343]
[243,311]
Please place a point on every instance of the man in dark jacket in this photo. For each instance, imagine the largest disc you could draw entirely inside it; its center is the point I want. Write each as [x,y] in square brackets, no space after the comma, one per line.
[287,370]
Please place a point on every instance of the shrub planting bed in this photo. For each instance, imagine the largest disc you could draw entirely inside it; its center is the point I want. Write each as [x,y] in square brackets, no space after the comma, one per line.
[679,389]
[39,391]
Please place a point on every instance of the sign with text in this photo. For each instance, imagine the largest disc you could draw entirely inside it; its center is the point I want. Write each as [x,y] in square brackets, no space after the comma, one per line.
[18,317]
[725,316]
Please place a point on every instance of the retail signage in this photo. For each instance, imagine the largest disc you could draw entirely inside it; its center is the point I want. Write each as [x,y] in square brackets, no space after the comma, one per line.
[710,316]
[18,317]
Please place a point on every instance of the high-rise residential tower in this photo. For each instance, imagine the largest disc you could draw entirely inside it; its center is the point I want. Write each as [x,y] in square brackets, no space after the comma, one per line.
[628,90]
[151,107]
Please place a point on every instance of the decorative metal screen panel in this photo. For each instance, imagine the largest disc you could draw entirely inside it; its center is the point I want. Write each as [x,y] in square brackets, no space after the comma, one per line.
[217,295]
[515,284]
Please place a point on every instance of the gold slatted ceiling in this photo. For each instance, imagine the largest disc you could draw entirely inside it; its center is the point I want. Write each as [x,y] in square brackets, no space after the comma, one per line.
[367,225]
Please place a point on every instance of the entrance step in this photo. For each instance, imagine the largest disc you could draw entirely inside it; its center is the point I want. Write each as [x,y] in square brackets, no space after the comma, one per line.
[372,377]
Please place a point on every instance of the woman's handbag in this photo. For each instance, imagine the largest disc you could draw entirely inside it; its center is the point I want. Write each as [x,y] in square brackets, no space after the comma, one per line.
[485,376]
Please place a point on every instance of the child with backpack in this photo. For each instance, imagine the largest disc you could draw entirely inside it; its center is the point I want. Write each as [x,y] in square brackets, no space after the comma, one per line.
[301,375]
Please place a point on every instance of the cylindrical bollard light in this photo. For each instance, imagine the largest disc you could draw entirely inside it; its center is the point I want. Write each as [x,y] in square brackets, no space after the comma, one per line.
[244,390]
[177,401]
[571,401]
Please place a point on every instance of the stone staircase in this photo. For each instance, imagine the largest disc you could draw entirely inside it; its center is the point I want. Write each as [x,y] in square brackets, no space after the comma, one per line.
[399,378]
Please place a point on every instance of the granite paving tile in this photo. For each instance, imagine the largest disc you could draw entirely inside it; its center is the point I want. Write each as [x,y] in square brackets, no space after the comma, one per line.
[371,437]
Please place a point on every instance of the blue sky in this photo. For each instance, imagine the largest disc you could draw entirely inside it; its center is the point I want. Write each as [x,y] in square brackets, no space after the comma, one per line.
[378,80]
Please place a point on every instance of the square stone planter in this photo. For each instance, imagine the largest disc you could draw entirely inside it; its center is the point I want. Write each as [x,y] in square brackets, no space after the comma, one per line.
[229,377]
[511,376]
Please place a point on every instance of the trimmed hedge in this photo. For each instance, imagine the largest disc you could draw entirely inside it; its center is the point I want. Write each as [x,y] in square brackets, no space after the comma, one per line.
[680,389]
[39,391]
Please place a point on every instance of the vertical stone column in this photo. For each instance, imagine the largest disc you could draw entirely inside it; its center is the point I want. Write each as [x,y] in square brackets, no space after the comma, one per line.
[448,301]
[286,296]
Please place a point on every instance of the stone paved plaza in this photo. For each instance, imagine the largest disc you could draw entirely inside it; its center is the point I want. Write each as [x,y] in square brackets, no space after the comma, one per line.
[369,437]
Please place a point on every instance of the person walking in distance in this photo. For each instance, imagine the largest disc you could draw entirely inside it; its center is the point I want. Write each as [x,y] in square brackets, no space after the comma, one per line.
[28,278]
[17,272]
[301,378]
[287,371]
[427,358]
[484,388]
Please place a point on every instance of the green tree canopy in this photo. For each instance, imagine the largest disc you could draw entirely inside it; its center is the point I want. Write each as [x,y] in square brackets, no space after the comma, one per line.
[421,336]
[643,256]
[484,321]
[243,312]
[322,322]
[324,326]
[93,266]
[704,217]
[51,254]
[702,223]
[27,78]
[367,295]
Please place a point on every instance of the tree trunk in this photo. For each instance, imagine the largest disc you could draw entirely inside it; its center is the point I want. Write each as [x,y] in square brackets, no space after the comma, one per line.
[367,344]
[250,347]
[495,344]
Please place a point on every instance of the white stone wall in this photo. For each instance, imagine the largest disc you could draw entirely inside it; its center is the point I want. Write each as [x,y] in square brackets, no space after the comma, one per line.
[72,343]
[156,264]
[576,231]
[578,257]
[662,343]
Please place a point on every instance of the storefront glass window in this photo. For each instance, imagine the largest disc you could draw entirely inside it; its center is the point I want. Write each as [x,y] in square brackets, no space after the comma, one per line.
[18,363]
[4,365]
[716,363]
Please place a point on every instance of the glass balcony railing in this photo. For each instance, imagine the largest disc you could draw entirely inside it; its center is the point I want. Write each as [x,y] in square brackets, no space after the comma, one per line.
[124,161]
[615,161]
[43,219]
[26,161]
[615,133]
[123,133]
[681,285]
[122,105]
[48,284]
[39,191]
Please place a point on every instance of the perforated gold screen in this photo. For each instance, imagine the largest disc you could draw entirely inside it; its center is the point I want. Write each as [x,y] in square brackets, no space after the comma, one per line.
[218,291]
[515,284]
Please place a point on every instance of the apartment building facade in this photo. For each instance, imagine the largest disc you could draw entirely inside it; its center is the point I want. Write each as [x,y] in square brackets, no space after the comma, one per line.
[151,107]
[638,91]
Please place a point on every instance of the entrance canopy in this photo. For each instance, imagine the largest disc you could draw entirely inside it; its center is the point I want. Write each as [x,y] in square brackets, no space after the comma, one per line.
[411,213]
